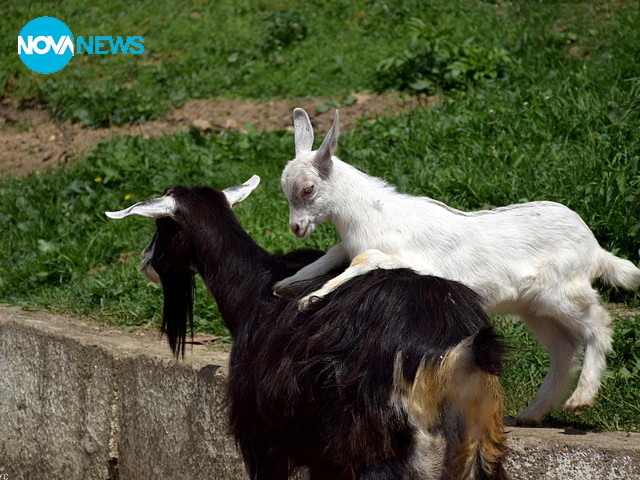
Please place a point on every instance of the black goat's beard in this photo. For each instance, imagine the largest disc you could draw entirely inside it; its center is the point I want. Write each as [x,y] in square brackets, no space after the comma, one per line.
[177,314]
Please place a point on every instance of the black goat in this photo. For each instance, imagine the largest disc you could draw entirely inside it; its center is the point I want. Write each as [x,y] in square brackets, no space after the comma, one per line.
[392,376]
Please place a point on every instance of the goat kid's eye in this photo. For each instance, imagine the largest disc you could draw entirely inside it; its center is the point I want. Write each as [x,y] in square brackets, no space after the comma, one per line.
[308,190]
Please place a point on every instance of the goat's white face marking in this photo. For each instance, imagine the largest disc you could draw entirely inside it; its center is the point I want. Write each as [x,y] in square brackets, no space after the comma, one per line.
[145,267]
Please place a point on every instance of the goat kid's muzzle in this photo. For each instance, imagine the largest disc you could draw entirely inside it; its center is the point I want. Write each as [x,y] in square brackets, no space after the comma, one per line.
[303,228]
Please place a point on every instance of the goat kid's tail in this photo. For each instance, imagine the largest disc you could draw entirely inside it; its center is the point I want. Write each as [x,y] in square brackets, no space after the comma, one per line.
[620,272]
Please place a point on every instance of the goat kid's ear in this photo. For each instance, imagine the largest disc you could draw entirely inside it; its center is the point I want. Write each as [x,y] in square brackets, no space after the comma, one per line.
[238,193]
[322,160]
[302,131]
[154,208]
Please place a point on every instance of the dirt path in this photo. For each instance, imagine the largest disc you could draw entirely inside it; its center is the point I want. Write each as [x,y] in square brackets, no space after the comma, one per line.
[30,139]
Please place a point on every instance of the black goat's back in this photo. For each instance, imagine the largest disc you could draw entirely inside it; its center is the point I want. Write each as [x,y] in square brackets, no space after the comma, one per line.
[369,380]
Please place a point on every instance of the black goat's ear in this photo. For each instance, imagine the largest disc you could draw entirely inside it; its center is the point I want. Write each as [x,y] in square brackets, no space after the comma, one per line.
[153,208]
[238,193]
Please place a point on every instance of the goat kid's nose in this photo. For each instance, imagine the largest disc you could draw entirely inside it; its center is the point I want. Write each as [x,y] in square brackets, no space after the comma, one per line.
[295,227]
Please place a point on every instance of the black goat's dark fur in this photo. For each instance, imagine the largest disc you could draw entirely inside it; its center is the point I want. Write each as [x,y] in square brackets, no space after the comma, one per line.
[369,383]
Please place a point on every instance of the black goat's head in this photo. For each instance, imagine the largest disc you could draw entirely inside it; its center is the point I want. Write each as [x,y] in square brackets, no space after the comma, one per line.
[171,258]
[170,251]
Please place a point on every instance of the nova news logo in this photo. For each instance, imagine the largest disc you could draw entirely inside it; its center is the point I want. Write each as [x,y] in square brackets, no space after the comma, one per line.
[46,45]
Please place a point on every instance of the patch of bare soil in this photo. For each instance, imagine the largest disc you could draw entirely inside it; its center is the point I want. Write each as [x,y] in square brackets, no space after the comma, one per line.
[30,139]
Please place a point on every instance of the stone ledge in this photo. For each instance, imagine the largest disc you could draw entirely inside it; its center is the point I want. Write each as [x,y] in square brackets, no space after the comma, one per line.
[82,400]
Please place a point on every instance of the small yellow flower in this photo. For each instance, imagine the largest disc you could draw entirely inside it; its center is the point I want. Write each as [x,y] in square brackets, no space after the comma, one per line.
[127,196]
[97,179]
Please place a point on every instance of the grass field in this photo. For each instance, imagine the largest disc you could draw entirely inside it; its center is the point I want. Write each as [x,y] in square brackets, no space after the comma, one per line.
[541,102]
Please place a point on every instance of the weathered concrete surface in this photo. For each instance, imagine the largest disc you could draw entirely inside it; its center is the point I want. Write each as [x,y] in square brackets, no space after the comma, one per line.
[551,453]
[81,400]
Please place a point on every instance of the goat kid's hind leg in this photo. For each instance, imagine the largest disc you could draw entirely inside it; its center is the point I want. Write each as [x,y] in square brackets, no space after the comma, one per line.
[562,345]
[363,263]
[597,338]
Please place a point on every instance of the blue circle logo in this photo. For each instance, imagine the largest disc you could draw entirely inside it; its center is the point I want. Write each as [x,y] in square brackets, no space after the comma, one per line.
[45,45]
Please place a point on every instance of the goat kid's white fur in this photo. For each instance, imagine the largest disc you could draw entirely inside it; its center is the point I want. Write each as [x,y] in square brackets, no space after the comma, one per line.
[537,260]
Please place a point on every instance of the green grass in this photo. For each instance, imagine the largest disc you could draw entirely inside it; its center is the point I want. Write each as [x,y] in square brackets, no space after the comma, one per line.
[556,118]
[259,49]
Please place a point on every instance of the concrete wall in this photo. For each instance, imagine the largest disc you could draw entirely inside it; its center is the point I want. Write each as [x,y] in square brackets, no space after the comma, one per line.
[85,401]
[80,400]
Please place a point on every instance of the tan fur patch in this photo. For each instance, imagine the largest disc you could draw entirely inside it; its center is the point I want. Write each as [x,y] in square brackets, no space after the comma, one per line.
[457,385]
[478,395]
[363,258]
[422,396]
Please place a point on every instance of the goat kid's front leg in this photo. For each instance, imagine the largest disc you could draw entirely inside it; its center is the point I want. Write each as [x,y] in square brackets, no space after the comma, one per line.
[334,257]
[363,263]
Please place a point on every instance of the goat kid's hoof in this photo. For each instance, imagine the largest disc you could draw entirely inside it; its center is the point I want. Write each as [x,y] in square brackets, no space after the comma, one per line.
[576,409]
[305,302]
[527,422]
[527,419]
[277,289]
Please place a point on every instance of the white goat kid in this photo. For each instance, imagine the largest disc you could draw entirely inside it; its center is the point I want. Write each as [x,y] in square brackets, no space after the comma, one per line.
[537,260]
